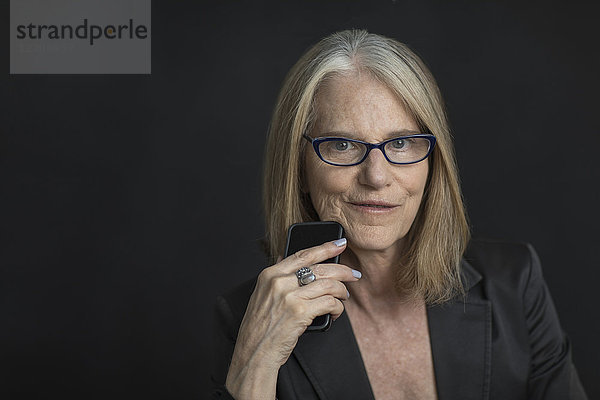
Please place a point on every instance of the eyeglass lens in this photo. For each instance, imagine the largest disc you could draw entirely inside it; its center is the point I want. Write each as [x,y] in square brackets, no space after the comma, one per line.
[401,150]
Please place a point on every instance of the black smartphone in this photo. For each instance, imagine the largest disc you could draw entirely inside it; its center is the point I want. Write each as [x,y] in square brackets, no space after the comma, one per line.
[309,234]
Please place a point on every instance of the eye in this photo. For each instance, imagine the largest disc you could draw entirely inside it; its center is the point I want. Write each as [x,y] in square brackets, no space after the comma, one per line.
[399,144]
[342,145]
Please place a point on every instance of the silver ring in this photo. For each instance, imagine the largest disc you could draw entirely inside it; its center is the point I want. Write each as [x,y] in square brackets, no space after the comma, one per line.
[305,276]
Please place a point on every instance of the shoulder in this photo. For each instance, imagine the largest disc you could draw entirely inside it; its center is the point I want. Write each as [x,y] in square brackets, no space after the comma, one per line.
[490,246]
[229,312]
[497,262]
[524,321]
[489,254]
[238,297]
[231,306]
[509,275]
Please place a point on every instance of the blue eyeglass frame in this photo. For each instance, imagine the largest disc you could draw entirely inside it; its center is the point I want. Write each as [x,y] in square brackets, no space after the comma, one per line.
[370,146]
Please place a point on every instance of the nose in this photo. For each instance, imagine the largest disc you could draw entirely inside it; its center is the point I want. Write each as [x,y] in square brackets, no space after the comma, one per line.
[375,170]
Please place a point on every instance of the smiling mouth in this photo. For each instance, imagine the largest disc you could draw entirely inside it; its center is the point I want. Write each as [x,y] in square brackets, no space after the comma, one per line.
[376,205]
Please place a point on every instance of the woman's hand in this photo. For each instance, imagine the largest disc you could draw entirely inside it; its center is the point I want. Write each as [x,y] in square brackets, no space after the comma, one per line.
[279,311]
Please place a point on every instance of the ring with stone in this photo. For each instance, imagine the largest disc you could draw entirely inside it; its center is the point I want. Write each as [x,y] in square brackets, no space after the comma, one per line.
[305,276]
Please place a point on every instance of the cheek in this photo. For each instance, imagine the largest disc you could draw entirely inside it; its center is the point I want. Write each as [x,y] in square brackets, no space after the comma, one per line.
[418,179]
[414,185]
[326,185]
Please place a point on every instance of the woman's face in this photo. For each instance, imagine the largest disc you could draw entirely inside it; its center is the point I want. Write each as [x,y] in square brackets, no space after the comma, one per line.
[375,201]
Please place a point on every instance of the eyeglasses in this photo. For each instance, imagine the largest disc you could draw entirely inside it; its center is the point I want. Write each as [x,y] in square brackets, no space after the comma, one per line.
[347,152]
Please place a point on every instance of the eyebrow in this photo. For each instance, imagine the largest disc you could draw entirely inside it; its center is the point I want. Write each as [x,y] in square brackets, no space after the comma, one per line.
[351,135]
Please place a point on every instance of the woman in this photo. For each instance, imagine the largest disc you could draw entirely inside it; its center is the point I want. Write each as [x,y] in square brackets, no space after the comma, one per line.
[418,315]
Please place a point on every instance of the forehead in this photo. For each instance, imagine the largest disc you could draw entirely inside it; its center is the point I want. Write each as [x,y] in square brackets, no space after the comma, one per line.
[360,105]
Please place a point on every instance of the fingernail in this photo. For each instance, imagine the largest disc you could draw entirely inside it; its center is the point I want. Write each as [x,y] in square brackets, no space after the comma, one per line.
[348,293]
[340,242]
[356,274]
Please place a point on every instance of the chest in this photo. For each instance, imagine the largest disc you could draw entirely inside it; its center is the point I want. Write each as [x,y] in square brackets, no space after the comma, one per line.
[397,356]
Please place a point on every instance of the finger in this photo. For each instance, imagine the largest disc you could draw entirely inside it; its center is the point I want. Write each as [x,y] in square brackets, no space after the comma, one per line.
[324,305]
[323,287]
[339,272]
[312,255]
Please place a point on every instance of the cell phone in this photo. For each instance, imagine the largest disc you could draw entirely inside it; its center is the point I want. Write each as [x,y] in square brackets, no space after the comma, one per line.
[309,234]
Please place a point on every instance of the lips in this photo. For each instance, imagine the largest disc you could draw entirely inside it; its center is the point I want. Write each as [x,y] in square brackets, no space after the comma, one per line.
[378,204]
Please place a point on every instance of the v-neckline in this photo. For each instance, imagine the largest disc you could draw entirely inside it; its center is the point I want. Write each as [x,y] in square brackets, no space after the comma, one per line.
[460,336]
[413,328]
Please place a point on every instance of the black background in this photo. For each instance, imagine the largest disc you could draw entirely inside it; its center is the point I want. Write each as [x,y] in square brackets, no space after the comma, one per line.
[127,203]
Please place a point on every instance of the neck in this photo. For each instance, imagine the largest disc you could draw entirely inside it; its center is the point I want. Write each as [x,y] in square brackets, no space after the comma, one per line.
[377,289]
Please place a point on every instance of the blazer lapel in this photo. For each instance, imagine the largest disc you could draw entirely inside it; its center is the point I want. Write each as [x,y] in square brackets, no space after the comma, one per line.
[332,362]
[461,340]
[460,334]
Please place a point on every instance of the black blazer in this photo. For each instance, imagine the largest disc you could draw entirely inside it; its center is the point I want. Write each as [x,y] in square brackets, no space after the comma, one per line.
[503,341]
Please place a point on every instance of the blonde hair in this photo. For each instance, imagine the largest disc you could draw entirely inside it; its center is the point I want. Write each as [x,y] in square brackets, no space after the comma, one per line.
[438,236]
